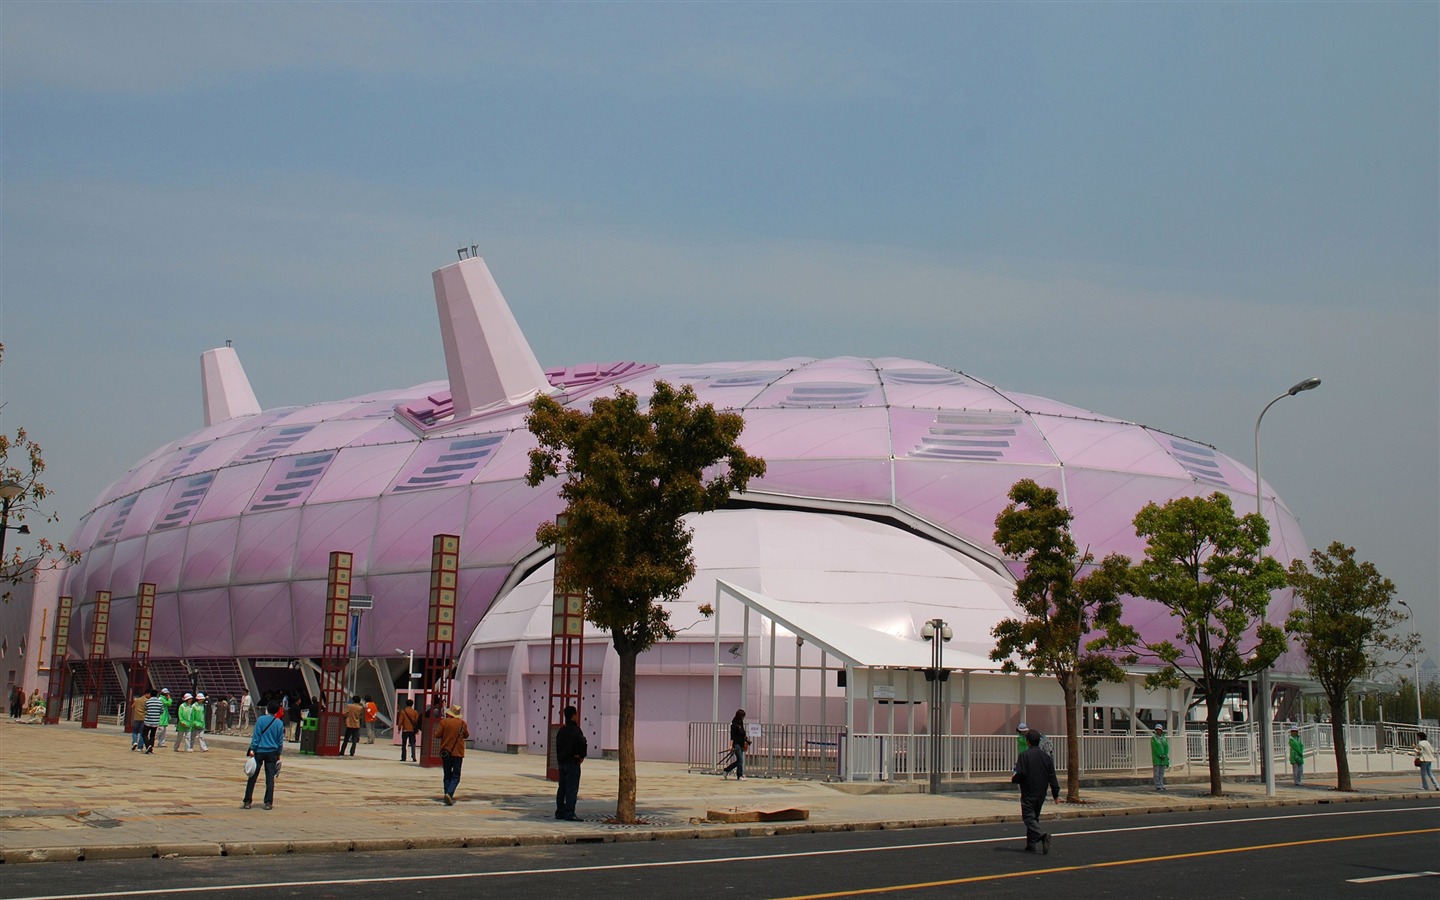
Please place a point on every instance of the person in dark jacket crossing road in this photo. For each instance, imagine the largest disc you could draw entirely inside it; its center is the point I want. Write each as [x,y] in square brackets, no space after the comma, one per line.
[1035,773]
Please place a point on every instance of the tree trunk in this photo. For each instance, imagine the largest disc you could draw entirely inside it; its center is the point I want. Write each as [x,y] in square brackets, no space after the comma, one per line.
[1212,742]
[1072,728]
[1337,732]
[625,799]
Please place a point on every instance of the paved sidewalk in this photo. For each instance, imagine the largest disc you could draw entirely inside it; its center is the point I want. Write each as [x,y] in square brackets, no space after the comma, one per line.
[76,794]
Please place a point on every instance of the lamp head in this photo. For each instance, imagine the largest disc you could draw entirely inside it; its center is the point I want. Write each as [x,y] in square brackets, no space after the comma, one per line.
[928,630]
[10,489]
[1308,384]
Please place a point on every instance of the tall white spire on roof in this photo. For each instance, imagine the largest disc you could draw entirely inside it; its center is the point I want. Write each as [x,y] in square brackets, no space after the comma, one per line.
[486,356]
[227,391]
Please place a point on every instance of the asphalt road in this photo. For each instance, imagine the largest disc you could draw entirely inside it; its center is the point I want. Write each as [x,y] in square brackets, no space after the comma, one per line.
[1388,850]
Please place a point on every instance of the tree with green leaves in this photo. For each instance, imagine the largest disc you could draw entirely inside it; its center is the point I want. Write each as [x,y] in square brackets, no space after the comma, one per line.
[1342,621]
[1206,566]
[1060,605]
[631,475]
[22,463]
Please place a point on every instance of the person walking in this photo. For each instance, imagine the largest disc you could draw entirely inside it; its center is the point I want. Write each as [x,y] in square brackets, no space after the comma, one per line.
[162,730]
[451,733]
[1297,756]
[1021,745]
[199,713]
[247,707]
[182,723]
[266,745]
[297,718]
[17,702]
[571,748]
[1160,755]
[1035,772]
[354,714]
[154,709]
[137,720]
[739,743]
[372,712]
[1425,760]
[409,723]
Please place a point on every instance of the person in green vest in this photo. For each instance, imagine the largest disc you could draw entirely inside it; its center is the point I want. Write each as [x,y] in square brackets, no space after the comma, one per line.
[1297,756]
[1021,745]
[164,728]
[182,722]
[199,713]
[1160,755]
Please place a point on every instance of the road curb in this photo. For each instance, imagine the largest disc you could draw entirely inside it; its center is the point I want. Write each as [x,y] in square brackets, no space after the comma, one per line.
[21,855]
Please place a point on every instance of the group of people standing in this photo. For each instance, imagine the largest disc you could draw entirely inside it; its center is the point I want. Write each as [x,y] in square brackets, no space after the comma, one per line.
[358,714]
[19,706]
[153,712]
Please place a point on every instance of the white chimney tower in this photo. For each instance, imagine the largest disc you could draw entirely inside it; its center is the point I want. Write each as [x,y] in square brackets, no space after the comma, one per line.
[489,362]
[227,391]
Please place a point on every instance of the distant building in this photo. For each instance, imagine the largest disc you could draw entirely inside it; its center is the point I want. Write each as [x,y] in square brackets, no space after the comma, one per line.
[1429,673]
[27,625]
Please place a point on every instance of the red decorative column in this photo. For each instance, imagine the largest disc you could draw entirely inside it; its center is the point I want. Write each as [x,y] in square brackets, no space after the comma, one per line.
[59,660]
[140,647]
[567,657]
[335,656]
[94,665]
[439,639]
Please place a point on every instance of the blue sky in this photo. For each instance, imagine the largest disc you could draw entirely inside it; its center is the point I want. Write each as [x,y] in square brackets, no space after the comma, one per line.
[1165,212]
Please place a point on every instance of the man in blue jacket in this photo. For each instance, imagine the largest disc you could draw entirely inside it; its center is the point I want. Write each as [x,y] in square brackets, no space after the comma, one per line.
[266,745]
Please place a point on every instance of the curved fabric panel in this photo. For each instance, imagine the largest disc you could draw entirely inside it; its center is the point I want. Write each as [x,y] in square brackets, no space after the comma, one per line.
[265,546]
[209,554]
[264,621]
[330,527]
[205,620]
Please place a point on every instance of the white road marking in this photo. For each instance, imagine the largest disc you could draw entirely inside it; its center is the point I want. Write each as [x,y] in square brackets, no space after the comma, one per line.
[729,860]
[1374,878]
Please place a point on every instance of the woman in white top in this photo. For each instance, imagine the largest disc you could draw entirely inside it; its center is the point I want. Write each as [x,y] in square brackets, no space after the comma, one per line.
[1425,756]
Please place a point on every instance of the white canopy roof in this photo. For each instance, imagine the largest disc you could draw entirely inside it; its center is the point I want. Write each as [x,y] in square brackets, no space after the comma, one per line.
[854,644]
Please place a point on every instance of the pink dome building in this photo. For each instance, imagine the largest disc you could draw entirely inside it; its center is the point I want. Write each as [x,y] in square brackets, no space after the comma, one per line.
[875,516]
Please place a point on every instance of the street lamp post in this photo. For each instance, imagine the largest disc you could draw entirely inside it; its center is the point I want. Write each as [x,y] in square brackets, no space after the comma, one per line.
[1414,660]
[937,676]
[1267,764]
[410,666]
[9,491]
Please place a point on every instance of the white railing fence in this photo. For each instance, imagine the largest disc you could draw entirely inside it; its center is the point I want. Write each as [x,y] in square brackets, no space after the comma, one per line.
[816,752]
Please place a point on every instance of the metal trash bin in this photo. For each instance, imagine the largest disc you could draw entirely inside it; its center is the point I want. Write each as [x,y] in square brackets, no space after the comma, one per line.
[309,732]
